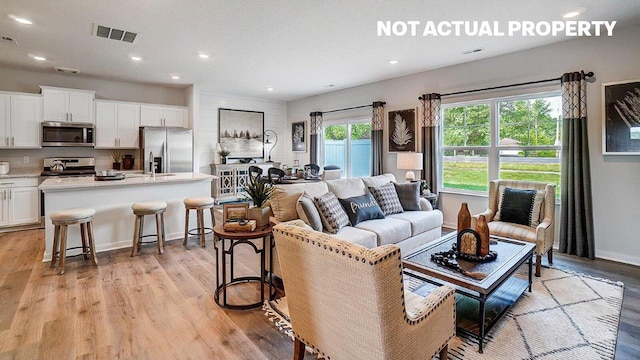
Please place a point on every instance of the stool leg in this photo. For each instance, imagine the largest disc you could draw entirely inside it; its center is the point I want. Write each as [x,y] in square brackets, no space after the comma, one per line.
[56,245]
[63,249]
[141,233]
[164,239]
[92,245]
[200,213]
[186,228]
[213,218]
[136,236]
[83,237]
[159,234]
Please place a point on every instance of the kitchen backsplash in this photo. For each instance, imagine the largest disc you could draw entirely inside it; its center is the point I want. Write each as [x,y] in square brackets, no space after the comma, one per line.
[103,157]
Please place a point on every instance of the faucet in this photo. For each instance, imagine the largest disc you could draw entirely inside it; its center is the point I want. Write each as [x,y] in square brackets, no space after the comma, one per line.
[152,164]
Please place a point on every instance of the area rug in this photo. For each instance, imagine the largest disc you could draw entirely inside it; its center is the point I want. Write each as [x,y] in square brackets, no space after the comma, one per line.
[566,316]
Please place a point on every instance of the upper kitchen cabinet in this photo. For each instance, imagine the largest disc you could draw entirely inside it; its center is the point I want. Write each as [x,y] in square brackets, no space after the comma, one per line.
[169,116]
[117,124]
[67,104]
[20,117]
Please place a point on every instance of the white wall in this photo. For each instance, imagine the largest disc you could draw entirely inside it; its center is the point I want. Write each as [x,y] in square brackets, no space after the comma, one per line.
[616,192]
[206,135]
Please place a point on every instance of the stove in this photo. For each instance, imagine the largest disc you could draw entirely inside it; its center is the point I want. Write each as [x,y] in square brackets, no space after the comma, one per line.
[69,167]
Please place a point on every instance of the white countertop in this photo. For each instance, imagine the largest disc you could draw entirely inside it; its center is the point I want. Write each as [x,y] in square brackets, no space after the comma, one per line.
[85,182]
[21,173]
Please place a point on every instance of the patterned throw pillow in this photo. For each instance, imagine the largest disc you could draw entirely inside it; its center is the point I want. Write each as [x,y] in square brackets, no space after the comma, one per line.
[409,195]
[333,216]
[519,206]
[361,208]
[387,198]
[308,212]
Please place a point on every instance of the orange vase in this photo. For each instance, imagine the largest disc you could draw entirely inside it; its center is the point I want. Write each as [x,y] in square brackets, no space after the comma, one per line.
[483,230]
[464,218]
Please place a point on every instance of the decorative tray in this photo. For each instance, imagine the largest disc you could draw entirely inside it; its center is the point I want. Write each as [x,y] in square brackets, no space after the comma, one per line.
[117,176]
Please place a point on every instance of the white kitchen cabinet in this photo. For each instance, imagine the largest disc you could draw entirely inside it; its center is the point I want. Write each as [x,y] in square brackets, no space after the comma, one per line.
[67,104]
[20,117]
[169,116]
[117,124]
[19,201]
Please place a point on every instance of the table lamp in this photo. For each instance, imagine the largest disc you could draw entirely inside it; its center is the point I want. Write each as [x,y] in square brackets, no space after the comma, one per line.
[409,161]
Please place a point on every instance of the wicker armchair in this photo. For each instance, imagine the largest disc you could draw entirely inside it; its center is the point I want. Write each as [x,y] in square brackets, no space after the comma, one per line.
[542,235]
[348,302]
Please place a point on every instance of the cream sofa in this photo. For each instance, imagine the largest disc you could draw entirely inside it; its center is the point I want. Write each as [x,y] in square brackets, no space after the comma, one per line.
[407,230]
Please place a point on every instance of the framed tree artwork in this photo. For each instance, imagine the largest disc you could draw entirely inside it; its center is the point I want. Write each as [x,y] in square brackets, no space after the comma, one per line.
[241,133]
[401,130]
[621,118]
[298,136]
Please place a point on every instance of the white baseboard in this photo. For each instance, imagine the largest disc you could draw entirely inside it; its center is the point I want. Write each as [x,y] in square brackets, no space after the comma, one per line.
[618,257]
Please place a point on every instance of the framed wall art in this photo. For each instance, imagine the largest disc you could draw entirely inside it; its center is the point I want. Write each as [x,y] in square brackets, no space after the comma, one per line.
[237,211]
[401,130]
[621,118]
[241,132]
[298,136]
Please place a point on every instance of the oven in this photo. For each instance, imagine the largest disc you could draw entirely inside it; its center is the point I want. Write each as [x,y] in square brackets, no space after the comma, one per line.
[60,133]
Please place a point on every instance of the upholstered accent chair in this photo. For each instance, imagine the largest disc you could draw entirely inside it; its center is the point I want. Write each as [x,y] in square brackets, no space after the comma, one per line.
[348,302]
[539,232]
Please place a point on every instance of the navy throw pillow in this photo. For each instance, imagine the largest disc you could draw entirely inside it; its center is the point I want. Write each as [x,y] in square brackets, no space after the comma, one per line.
[517,206]
[361,208]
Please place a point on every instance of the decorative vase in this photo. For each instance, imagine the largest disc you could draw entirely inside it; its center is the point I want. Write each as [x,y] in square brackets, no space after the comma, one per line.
[224,160]
[260,215]
[127,162]
[483,230]
[464,217]
[116,166]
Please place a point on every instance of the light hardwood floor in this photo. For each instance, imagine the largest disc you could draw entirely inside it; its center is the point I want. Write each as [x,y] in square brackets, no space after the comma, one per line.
[161,306]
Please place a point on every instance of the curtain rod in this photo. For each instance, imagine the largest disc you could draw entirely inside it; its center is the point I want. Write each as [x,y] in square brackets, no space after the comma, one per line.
[345,109]
[589,74]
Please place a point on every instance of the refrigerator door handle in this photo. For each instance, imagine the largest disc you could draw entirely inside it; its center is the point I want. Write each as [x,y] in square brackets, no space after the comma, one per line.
[167,161]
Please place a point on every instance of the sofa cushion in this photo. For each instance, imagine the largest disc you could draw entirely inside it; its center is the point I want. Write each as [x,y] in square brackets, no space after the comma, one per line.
[308,212]
[378,180]
[365,238]
[388,231]
[333,216]
[361,208]
[346,188]
[387,198]
[409,195]
[284,198]
[520,206]
[421,221]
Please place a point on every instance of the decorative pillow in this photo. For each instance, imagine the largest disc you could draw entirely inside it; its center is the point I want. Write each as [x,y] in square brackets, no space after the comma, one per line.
[387,198]
[361,208]
[409,195]
[331,212]
[308,213]
[519,206]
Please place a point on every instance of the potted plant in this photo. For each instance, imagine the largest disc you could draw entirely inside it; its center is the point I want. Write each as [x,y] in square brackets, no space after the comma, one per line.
[223,154]
[117,159]
[259,192]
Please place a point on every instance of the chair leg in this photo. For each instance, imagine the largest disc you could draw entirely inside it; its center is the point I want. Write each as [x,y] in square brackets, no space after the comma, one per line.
[63,249]
[56,246]
[538,264]
[136,236]
[92,244]
[186,228]
[444,352]
[83,237]
[159,234]
[550,255]
[298,349]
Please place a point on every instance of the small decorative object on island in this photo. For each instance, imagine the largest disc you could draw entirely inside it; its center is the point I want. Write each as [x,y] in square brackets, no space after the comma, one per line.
[259,192]
[464,218]
[223,154]
[483,230]
[117,158]
[127,162]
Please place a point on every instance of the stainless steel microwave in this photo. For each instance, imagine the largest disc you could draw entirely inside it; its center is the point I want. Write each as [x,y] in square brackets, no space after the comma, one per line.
[61,133]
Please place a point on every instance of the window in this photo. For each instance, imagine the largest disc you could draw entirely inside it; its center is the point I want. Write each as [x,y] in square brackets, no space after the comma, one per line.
[348,145]
[515,138]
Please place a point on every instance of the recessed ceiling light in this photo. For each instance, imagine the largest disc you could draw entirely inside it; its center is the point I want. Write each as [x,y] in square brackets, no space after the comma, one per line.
[40,58]
[393,61]
[204,56]
[22,20]
[175,77]
[571,14]
[269,88]
[136,58]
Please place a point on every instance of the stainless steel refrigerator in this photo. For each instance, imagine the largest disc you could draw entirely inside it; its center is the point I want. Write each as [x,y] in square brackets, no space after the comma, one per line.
[172,149]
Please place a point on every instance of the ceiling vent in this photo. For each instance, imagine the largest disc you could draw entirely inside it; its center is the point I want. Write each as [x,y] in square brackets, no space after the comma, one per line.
[115,34]
[9,40]
[67,70]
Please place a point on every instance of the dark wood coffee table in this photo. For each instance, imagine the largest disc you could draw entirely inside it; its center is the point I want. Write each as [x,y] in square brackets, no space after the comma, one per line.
[479,303]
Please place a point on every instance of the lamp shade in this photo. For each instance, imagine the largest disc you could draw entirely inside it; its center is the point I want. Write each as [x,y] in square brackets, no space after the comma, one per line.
[409,161]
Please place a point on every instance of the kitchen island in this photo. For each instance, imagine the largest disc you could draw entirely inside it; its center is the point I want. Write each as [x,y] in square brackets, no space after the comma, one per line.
[114,221]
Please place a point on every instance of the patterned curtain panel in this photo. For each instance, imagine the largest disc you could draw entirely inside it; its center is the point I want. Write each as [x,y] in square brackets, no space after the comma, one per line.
[315,129]
[377,124]
[576,220]
[430,123]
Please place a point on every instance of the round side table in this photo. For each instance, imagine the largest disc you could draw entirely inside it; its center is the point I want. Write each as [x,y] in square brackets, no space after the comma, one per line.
[224,243]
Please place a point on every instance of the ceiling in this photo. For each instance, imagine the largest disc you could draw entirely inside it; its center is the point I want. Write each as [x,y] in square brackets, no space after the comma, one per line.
[299,48]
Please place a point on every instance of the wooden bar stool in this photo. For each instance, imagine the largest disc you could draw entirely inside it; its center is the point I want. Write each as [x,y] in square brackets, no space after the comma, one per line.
[140,209]
[61,220]
[199,205]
